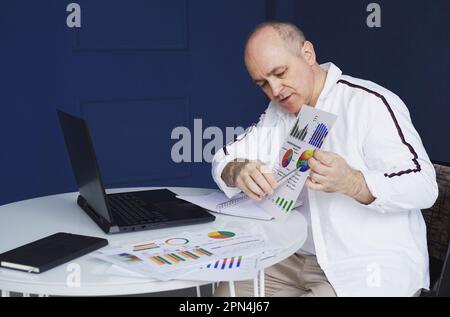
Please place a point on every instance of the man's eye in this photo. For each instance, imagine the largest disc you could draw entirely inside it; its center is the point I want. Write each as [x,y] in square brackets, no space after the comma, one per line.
[263,84]
[281,74]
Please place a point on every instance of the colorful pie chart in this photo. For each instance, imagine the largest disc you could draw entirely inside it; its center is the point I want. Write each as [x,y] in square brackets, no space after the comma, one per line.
[302,163]
[177,241]
[287,158]
[221,234]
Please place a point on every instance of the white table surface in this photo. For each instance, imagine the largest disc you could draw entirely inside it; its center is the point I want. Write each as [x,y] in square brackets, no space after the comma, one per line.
[26,221]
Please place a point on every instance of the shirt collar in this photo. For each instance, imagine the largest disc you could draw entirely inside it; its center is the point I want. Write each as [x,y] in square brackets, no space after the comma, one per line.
[334,74]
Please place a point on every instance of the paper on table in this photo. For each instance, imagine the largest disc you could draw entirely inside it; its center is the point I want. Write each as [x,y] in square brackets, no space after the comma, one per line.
[247,209]
[173,256]
[233,268]
[120,271]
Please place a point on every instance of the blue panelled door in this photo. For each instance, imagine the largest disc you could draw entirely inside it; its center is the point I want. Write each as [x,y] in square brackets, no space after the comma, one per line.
[135,70]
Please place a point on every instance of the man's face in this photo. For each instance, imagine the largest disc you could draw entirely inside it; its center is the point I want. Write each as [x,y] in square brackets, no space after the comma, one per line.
[285,77]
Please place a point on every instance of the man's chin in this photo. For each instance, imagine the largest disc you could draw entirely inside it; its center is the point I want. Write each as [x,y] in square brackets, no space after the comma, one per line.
[291,108]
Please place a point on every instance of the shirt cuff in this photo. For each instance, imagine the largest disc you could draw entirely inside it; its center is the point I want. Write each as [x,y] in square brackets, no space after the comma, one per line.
[377,186]
[217,175]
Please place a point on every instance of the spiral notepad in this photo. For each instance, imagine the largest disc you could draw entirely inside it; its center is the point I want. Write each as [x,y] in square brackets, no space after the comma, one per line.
[239,199]
[243,197]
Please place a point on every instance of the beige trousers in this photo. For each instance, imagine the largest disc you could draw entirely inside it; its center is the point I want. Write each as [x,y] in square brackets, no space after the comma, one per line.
[297,276]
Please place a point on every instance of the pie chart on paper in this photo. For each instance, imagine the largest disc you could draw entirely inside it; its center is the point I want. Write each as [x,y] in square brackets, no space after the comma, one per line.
[177,241]
[221,234]
[302,163]
[287,158]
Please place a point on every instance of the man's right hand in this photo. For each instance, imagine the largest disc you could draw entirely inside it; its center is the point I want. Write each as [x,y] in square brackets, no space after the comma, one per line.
[254,178]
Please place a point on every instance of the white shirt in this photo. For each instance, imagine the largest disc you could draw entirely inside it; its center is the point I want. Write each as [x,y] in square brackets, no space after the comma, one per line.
[375,250]
[308,247]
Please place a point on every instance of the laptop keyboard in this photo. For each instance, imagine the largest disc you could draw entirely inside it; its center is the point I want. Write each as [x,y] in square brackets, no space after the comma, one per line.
[133,210]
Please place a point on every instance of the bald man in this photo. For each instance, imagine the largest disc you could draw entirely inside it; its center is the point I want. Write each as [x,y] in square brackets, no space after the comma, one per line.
[362,201]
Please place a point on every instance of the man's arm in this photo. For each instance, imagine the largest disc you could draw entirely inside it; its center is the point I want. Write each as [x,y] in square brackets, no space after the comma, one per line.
[359,189]
[237,167]
[331,173]
[400,175]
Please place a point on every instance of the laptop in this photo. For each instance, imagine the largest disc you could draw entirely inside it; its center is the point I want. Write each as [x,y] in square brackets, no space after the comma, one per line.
[124,212]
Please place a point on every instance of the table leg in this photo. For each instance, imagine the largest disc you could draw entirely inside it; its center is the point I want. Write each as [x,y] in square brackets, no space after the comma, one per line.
[26,294]
[261,284]
[255,287]
[4,293]
[197,288]
[213,287]
[232,289]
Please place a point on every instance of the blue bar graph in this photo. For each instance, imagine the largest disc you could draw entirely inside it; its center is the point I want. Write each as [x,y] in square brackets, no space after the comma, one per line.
[224,263]
[319,136]
[227,263]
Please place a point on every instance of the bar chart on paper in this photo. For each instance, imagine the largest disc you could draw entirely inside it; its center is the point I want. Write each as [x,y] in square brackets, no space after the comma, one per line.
[146,246]
[235,268]
[227,263]
[299,133]
[319,135]
[180,256]
[284,204]
[126,258]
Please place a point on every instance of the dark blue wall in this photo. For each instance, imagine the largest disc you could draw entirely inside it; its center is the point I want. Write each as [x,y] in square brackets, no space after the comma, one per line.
[137,69]
[409,55]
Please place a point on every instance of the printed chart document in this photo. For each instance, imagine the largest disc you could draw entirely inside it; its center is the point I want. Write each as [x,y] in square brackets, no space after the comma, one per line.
[209,255]
[291,171]
[308,134]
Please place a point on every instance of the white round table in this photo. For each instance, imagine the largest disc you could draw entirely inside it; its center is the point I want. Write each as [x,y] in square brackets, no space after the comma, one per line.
[26,221]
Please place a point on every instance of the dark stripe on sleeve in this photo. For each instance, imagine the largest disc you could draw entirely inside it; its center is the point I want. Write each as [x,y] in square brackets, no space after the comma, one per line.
[249,129]
[417,168]
[225,150]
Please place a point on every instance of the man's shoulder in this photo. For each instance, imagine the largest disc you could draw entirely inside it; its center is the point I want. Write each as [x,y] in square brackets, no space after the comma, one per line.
[366,88]
[365,97]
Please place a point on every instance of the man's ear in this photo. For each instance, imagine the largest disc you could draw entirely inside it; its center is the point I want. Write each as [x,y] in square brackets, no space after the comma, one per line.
[308,53]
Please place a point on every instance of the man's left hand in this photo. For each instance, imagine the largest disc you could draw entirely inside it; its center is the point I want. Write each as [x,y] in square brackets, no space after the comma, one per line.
[330,173]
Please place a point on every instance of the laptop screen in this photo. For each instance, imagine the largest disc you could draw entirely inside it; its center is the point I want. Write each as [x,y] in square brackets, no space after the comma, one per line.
[84,163]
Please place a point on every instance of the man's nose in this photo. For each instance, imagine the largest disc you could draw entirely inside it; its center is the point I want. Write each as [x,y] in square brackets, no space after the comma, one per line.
[276,88]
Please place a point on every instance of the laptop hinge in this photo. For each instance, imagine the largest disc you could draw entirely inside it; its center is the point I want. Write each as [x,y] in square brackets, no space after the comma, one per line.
[104,224]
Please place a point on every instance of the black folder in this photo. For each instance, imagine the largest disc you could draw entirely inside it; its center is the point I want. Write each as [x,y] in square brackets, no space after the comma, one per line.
[44,254]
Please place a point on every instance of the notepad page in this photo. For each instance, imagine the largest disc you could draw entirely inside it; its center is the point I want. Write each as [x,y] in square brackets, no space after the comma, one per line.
[247,209]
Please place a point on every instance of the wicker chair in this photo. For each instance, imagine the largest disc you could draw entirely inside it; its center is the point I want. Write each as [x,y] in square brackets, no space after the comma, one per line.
[437,219]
